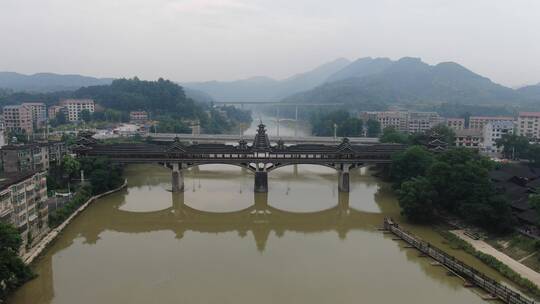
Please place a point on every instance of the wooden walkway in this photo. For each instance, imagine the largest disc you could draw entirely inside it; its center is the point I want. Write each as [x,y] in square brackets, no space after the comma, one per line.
[470,274]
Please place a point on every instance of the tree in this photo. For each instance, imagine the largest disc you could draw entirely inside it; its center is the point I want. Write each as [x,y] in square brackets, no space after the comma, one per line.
[391,135]
[373,128]
[350,127]
[417,200]
[514,146]
[13,272]
[85,115]
[70,166]
[413,162]
[533,154]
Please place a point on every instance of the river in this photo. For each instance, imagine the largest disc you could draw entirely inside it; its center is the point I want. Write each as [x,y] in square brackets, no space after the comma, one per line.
[218,242]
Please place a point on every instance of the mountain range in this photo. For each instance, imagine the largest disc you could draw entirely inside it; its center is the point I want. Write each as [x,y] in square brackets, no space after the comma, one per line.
[365,82]
[265,88]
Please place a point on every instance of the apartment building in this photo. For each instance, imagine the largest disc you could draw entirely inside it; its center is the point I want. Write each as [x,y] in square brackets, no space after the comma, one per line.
[528,125]
[469,138]
[18,118]
[394,119]
[138,116]
[455,124]
[422,121]
[494,131]
[39,113]
[52,111]
[75,106]
[478,122]
[23,204]
[25,157]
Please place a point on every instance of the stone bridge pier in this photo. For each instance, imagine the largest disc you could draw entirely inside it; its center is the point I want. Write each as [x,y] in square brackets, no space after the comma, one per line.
[261,179]
[177,177]
[344,177]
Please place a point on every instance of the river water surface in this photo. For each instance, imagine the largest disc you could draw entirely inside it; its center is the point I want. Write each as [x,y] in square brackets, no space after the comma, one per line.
[218,242]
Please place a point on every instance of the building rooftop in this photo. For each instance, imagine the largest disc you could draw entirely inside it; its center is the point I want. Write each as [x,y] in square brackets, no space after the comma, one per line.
[530,114]
[468,132]
[492,117]
[8,179]
[66,101]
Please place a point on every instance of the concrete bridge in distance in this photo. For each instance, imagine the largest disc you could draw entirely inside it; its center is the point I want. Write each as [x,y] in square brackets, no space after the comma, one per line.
[260,157]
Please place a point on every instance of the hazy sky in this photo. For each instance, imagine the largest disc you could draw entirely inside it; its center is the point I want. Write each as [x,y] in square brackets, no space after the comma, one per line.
[229,39]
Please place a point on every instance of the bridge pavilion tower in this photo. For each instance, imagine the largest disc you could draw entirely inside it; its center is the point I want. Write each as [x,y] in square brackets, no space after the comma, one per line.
[261,146]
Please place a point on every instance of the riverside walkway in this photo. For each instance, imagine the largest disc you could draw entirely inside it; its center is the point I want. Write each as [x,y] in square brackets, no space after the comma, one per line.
[471,275]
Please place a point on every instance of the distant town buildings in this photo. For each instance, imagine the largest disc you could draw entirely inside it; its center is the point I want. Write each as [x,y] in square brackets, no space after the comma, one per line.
[528,125]
[469,138]
[23,203]
[493,131]
[75,106]
[53,111]
[138,116]
[478,122]
[18,118]
[39,113]
[32,157]
[455,124]
[422,121]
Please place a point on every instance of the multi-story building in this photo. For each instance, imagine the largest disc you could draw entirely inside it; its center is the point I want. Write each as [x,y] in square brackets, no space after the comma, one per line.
[2,130]
[394,119]
[18,118]
[39,113]
[469,138]
[57,150]
[27,157]
[478,122]
[528,125]
[138,116]
[494,131]
[422,121]
[455,123]
[23,203]
[52,111]
[75,106]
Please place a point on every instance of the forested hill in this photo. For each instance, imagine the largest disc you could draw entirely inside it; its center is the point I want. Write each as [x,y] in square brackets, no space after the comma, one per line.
[47,82]
[409,80]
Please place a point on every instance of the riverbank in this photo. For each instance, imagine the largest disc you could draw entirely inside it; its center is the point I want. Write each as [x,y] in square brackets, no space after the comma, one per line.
[33,253]
[484,247]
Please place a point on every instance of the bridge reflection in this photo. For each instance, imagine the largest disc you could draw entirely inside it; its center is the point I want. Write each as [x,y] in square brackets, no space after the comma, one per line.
[259,220]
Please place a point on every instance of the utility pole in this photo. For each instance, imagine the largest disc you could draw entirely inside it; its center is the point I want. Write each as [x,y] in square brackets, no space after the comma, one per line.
[277,119]
[335,131]
[296,122]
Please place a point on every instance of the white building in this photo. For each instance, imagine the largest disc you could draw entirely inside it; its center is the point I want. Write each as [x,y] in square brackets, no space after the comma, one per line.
[528,125]
[469,138]
[494,131]
[76,106]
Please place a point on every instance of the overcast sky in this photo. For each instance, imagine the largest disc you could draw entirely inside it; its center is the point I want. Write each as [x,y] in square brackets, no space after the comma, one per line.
[188,40]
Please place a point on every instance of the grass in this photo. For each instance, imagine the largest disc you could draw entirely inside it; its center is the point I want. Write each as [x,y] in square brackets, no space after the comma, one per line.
[518,247]
[457,243]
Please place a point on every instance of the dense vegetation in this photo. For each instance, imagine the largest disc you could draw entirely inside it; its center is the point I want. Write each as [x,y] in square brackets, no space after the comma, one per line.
[102,176]
[13,271]
[372,84]
[164,100]
[518,147]
[346,124]
[454,182]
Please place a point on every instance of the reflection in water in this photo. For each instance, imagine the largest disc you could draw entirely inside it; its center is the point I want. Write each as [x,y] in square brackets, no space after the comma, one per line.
[302,242]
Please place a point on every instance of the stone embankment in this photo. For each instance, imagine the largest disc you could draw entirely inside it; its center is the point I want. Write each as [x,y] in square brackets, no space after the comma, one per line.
[35,251]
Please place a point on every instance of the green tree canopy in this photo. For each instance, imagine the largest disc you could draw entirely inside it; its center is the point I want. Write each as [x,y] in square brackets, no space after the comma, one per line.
[417,200]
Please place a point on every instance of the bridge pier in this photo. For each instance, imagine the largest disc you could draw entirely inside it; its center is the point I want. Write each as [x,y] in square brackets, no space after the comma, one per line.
[177,178]
[261,182]
[344,178]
